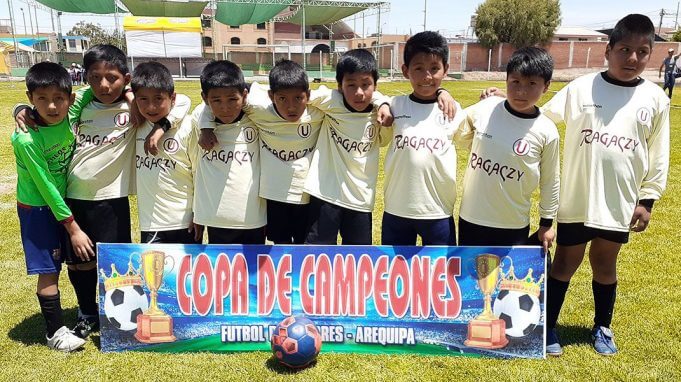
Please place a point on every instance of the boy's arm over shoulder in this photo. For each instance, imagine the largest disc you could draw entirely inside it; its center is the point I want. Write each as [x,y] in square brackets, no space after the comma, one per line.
[83,97]
[34,161]
[321,98]
[555,107]
[180,110]
[655,180]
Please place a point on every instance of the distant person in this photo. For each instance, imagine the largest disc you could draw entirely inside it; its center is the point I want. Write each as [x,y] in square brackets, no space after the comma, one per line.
[669,65]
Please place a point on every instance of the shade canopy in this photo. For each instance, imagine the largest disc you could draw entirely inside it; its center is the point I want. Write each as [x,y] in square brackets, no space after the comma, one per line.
[176,8]
[101,7]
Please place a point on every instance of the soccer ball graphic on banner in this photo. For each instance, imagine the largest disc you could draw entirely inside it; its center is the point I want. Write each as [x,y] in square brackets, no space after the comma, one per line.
[124,299]
[296,342]
[518,303]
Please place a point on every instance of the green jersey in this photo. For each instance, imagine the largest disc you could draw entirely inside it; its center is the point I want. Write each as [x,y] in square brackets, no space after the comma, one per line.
[43,158]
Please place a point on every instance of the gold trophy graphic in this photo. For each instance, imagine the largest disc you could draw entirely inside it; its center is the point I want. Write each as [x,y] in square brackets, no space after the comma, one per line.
[487,330]
[154,325]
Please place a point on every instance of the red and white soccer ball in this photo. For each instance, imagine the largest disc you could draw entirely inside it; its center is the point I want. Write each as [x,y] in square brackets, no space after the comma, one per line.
[296,342]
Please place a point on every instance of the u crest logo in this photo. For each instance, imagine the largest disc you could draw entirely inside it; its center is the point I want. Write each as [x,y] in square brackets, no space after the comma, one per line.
[643,116]
[305,130]
[122,119]
[171,146]
[441,119]
[249,134]
[370,132]
[521,147]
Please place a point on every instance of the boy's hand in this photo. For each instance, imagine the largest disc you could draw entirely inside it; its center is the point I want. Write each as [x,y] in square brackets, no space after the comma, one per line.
[152,139]
[24,120]
[447,104]
[198,232]
[492,91]
[546,235]
[384,116]
[641,218]
[81,243]
[207,139]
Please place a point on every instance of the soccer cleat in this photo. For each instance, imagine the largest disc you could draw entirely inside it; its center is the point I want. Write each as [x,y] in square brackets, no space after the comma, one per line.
[553,347]
[603,340]
[64,340]
[85,326]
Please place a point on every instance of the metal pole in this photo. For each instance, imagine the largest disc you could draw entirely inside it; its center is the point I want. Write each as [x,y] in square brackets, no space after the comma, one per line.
[676,21]
[425,13]
[378,38]
[659,28]
[35,14]
[321,69]
[30,19]
[23,16]
[14,37]
[59,38]
[213,26]
[302,41]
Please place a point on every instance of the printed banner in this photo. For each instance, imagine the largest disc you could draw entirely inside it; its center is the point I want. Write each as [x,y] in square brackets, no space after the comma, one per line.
[474,301]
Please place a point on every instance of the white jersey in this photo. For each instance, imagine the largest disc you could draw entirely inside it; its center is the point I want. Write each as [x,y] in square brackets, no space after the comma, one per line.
[511,154]
[285,148]
[102,166]
[344,165]
[165,182]
[616,149]
[420,165]
[227,180]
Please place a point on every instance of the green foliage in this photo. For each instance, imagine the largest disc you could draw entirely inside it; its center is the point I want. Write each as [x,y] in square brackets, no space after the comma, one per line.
[646,319]
[517,22]
[677,36]
[97,34]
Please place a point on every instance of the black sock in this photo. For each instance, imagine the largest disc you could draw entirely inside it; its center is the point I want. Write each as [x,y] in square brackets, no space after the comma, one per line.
[50,306]
[85,285]
[604,302]
[555,295]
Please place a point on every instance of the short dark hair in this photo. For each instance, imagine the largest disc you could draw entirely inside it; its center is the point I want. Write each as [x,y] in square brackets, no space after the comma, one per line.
[632,24]
[152,75]
[356,61]
[426,42]
[110,54]
[222,74]
[46,74]
[287,74]
[531,61]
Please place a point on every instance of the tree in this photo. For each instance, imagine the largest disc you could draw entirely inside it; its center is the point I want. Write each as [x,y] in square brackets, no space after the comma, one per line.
[677,36]
[97,34]
[517,22]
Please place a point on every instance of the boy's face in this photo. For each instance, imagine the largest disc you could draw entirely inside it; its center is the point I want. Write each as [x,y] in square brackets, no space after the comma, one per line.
[425,72]
[225,103]
[290,103]
[51,103]
[154,104]
[523,92]
[628,57]
[106,81]
[357,90]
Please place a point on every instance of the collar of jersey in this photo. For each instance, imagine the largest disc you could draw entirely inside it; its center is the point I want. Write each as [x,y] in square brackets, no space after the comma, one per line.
[352,110]
[241,115]
[121,98]
[421,101]
[522,115]
[615,82]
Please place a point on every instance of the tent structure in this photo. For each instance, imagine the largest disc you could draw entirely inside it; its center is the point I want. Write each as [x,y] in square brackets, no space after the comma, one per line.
[163,36]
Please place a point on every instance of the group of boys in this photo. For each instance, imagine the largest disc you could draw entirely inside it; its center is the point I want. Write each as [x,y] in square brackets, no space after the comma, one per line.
[299,167]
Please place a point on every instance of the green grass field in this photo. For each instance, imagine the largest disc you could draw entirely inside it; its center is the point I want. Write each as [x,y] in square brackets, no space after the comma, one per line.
[647,329]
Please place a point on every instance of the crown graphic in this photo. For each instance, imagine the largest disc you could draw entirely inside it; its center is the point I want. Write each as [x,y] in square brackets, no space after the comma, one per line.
[118,280]
[524,285]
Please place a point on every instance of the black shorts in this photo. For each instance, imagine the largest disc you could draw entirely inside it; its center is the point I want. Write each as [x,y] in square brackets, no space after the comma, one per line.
[236,236]
[176,236]
[471,234]
[578,233]
[104,221]
[286,222]
[326,220]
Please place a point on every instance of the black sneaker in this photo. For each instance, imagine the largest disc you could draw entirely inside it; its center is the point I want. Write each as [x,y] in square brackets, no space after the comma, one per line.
[85,326]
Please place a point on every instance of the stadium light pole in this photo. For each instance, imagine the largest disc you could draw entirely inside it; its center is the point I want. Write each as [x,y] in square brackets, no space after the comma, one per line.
[12,25]
[30,19]
[23,16]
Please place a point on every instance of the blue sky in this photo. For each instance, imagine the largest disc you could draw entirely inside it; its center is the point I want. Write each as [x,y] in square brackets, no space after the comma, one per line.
[450,17]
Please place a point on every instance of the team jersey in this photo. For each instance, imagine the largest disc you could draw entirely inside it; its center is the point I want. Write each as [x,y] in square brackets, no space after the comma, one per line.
[511,155]
[165,182]
[420,164]
[227,180]
[42,159]
[285,148]
[102,164]
[616,149]
[344,165]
